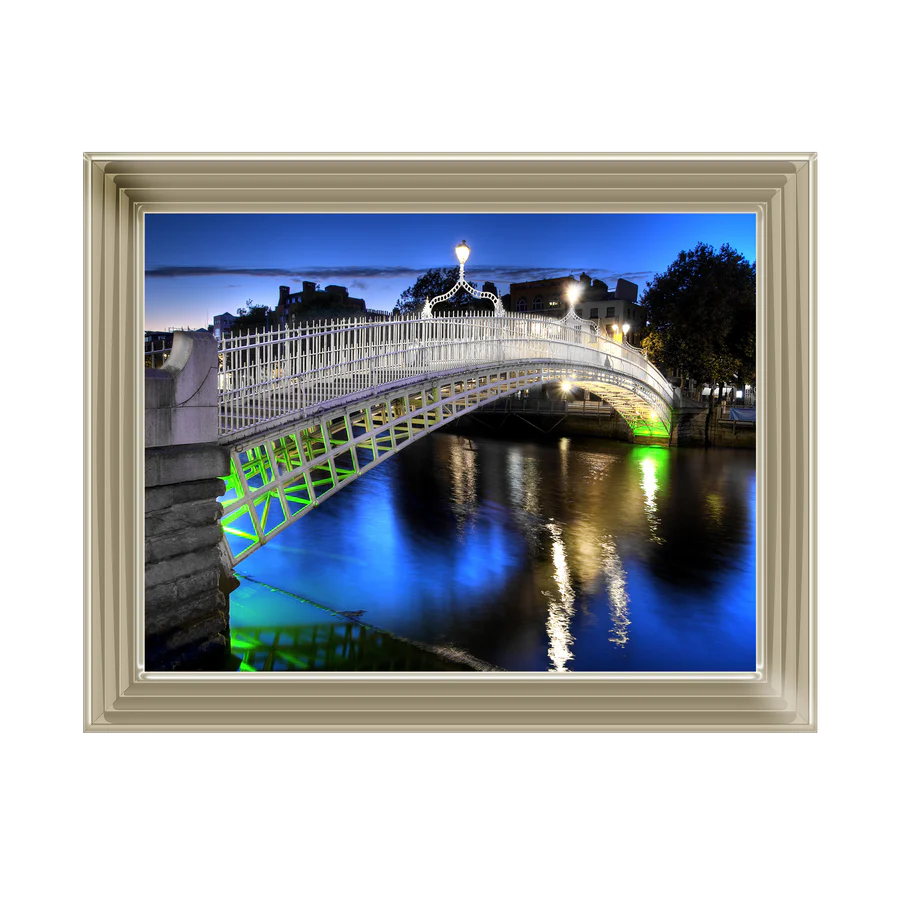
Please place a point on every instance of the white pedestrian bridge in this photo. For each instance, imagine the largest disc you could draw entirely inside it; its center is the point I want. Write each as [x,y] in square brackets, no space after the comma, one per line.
[305,410]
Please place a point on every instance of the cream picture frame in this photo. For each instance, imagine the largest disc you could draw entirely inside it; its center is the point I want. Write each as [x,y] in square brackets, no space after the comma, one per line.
[121,188]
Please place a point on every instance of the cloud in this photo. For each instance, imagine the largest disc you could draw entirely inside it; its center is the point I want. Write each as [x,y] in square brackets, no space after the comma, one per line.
[314,273]
[515,274]
[365,279]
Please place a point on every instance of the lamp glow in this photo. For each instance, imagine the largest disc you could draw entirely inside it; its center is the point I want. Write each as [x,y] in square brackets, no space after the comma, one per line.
[625,328]
[462,251]
[566,387]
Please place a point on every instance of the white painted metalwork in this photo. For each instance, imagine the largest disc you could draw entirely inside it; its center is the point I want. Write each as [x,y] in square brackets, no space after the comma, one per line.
[305,410]
[278,477]
[269,377]
[462,254]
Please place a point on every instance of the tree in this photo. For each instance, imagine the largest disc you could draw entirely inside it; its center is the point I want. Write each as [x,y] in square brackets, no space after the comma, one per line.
[251,317]
[432,284]
[701,317]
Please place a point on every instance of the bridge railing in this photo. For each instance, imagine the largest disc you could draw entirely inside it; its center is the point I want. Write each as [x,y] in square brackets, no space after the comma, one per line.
[267,375]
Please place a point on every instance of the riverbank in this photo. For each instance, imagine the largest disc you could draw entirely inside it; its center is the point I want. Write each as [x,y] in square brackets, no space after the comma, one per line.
[689,425]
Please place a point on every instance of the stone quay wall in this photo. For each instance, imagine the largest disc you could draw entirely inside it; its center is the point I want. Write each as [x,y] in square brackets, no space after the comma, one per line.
[187,571]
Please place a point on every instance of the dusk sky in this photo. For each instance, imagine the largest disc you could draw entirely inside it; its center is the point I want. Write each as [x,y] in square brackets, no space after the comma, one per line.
[200,265]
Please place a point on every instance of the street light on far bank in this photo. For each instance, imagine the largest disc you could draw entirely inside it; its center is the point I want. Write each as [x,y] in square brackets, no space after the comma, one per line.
[625,329]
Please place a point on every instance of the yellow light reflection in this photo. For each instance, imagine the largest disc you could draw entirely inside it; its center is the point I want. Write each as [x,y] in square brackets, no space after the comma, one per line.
[650,487]
[714,508]
[464,474]
[560,608]
[522,480]
[618,596]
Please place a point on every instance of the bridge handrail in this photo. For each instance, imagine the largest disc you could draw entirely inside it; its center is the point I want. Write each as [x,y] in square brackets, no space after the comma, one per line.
[269,337]
[262,371]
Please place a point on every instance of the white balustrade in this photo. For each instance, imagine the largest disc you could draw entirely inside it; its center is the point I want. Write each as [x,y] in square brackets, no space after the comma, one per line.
[267,375]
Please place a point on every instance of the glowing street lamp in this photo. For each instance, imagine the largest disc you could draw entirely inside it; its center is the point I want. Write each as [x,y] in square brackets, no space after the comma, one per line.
[462,254]
[462,251]
[573,292]
[625,329]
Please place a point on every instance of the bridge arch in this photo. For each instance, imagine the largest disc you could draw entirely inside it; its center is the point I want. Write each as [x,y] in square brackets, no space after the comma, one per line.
[304,411]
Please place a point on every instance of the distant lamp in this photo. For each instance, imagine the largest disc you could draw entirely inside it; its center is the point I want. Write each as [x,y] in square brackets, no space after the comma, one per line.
[573,292]
[566,387]
[462,252]
[626,328]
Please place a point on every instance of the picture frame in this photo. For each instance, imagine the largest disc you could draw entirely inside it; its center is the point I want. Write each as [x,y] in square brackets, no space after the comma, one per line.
[120,188]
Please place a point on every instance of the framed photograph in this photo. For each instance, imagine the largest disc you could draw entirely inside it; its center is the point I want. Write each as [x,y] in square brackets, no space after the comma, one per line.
[780,697]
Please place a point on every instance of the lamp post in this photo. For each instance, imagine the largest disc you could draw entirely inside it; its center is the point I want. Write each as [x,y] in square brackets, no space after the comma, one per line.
[462,251]
[462,254]
[625,329]
[573,291]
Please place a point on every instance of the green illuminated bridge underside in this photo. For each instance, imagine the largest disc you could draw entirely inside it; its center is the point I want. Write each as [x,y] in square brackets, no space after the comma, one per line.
[282,468]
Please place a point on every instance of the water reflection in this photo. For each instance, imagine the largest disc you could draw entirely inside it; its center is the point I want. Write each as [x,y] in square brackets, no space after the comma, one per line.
[618,596]
[650,487]
[561,606]
[329,647]
[522,479]
[570,554]
[464,477]
[714,508]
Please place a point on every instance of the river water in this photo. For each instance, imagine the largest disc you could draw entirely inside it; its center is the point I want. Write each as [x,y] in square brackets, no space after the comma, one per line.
[565,554]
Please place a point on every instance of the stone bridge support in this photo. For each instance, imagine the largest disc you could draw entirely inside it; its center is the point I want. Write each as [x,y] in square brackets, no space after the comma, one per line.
[187,571]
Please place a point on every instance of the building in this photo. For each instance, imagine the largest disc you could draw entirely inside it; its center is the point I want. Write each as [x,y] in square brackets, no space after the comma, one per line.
[222,324]
[334,295]
[547,296]
[157,345]
[610,310]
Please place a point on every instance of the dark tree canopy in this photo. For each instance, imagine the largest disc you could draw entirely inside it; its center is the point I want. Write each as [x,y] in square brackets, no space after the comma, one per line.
[251,317]
[434,283]
[701,316]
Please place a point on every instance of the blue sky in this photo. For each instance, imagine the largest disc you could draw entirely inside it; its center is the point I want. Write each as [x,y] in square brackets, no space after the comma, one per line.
[198,266]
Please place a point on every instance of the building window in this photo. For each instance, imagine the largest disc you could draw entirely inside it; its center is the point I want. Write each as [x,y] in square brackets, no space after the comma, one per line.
[538,303]
[521,304]
[595,313]
[610,312]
